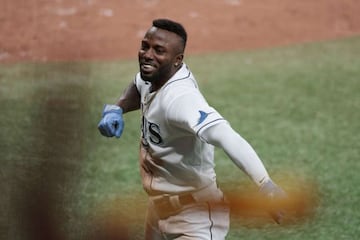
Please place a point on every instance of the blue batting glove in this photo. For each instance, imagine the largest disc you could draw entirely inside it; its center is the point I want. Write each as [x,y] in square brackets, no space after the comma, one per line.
[273,194]
[112,123]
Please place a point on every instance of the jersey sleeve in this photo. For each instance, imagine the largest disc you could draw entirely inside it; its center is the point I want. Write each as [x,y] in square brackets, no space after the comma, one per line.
[239,151]
[191,112]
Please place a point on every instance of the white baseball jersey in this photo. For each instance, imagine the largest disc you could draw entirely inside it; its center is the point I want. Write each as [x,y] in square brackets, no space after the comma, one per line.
[174,158]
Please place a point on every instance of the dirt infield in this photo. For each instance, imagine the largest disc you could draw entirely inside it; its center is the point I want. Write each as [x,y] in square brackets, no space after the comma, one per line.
[43,30]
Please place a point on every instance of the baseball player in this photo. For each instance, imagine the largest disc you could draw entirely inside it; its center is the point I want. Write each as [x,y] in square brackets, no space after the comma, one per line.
[178,134]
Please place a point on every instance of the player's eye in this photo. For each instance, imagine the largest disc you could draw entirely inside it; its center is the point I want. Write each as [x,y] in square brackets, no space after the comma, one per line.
[144,46]
[160,50]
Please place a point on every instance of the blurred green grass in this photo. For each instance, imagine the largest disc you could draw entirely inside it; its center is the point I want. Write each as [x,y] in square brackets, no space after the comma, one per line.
[299,106]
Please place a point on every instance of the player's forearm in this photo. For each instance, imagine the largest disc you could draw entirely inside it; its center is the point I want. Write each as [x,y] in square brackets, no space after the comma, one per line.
[130,99]
[238,149]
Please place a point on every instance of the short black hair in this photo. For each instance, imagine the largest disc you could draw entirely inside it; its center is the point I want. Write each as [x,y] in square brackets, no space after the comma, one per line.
[171,26]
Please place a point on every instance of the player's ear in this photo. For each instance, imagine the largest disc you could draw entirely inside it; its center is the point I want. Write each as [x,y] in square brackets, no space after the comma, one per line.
[178,60]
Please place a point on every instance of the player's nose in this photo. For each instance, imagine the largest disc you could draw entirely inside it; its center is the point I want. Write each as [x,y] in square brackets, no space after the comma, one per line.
[148,54]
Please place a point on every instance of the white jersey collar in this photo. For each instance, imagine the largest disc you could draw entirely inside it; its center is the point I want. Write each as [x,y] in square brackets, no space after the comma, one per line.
[182,73]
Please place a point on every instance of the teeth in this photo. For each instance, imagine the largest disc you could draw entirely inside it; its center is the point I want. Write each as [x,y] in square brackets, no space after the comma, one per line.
[147,66]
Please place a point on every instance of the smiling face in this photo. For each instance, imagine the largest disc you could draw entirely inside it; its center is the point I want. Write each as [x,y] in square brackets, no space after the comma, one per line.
[160,56]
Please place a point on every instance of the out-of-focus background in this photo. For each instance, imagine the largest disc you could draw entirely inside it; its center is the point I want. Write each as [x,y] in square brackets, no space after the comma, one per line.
[43,30]
[284,73]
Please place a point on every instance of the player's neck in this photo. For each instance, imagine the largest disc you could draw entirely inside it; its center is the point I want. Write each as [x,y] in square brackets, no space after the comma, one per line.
[156,85]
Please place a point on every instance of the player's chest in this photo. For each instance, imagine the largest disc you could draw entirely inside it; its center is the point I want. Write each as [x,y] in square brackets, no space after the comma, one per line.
[151,105]
[154,127]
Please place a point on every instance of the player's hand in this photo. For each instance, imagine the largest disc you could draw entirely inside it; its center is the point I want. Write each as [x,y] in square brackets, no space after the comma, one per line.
[274,195]
[112,123]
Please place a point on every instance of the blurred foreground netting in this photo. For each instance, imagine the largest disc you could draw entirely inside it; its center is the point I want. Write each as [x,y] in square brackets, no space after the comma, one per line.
[43,146]
[46,144]
[300,205]
[58,129]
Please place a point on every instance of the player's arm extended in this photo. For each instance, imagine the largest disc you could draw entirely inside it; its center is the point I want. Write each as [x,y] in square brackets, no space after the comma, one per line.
[112,123]
[130,99]
[245,157]
[238,149]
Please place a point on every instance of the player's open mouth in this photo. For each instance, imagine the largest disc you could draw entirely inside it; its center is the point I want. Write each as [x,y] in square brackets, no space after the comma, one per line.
[146,68]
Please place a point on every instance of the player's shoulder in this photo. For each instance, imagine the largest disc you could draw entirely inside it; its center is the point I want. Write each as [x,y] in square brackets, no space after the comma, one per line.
[182,88]
[181,81]
[182,94]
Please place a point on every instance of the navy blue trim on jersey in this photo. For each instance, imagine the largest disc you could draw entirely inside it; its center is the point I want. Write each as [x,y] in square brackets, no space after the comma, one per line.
[175,80]
[210,219]
[219,119]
